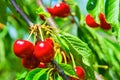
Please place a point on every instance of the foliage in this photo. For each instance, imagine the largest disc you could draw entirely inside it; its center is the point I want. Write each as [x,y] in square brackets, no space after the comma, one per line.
[91,48]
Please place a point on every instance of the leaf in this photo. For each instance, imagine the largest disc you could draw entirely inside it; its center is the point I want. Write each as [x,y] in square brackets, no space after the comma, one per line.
[41,12]
[22,76]
[58,57]
[3,12]
[77,12]
[32,73]
[68,69]
[94,7]
[42,74]
[112,11]
[81,53]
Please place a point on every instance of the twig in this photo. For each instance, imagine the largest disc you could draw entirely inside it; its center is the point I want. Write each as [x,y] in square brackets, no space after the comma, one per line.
[65,77]
[21,13]
[50,20]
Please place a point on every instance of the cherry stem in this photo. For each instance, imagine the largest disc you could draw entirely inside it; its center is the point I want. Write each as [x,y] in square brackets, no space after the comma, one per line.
[30,33]
[21,13]
[50,20]
[101,66]
[64,56]
[73,61]
[61,72]
[41,35]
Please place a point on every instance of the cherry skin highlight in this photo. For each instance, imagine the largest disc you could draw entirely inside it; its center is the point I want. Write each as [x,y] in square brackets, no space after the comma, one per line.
[23,48]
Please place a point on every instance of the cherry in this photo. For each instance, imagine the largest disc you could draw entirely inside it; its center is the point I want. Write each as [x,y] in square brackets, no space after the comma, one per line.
[23,48]
[44,51]
[91,22]
[61,10]
[50,10]
[41,65]
[103,24]
[30,62]
[80,73]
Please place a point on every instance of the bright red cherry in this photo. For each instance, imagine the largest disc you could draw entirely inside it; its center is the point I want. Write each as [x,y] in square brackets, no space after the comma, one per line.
[23,48]
[61,10]
[80,73]
[103,24]
[30,62]
[41,65]
[44,51]
[91,22]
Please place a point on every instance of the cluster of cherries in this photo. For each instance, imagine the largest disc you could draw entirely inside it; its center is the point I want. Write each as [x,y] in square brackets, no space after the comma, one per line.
[34,56]
[93,24]
[60,10]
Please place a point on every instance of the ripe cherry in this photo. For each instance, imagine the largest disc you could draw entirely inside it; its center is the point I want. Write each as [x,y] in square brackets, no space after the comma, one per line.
[23,48]
[44,51]
[80,73]
[61,10]
[91,22]
[50,10]
[30,62]
[103,24]
[41,65]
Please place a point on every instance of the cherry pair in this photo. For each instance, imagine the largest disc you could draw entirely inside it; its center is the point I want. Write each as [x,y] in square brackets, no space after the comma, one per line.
[103,23]
[59,10]
[32,55]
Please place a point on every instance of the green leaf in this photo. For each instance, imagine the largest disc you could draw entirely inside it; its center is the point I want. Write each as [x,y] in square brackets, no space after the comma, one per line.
[81,53]
[32,73]
[40,11]
[42,74]
[3,12]
[68,69]
[22,76]
[112,11]
[58,57]
[94,7]
[77,12]
[3,31]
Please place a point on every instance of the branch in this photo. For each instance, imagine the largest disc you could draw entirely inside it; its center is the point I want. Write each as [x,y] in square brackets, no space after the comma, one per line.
[50,20]
[21,13]
[65,77]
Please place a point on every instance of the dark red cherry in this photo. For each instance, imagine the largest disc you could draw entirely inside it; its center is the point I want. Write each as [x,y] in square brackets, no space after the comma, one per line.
[61,10]
[90,21]
[23,48]
[30,62]
[44,51]
[103,23]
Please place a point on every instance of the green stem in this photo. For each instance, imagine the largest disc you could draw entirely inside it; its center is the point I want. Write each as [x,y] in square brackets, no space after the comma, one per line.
[41,35]
[73,61]
[30,34]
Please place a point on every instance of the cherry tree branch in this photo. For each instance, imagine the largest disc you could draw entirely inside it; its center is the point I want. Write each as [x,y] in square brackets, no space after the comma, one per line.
[65,77]
[50,20]
[21,13]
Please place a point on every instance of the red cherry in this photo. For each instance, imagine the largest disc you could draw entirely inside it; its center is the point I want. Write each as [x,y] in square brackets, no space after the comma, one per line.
[41,65]
[103,24]
[80,73]
[91,22]
[30,62]
[23,48]
[61,10]
[44,51]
